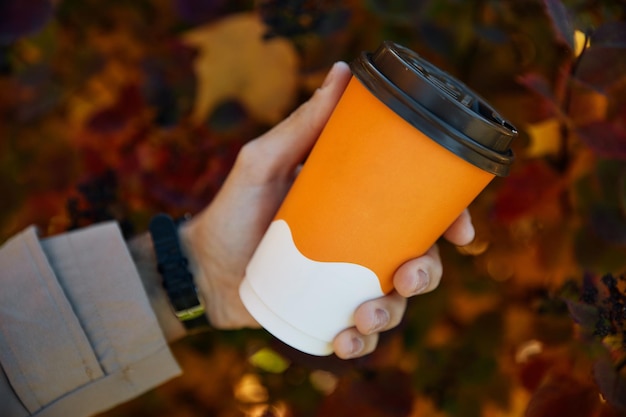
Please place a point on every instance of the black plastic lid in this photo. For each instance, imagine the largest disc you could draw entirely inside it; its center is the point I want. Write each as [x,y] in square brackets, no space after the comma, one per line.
[439,105]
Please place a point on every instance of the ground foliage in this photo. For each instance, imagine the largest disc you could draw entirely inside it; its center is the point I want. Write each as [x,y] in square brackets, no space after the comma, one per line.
[111,110]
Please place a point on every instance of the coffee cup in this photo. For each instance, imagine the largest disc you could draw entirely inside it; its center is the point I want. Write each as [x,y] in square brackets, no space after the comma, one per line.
[407,148]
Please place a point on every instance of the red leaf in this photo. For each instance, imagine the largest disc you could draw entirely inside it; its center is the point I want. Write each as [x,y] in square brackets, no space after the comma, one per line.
[563,396]
[605,138]
[535,185]
[544,91]
[533,371]
[384,393]
[538,84]
[114,118]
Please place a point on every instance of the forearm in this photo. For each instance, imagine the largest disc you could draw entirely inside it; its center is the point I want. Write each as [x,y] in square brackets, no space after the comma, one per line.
[143,255]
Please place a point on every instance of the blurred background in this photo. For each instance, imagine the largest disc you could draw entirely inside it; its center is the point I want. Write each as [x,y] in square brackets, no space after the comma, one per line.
[113,109]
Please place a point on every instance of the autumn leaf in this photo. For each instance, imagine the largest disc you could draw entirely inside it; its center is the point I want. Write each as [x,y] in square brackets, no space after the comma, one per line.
[543,92]
[529,189]
[605,138]
[376,393]
[608,224]
[235,62]
[291,18]
[561,22]
[612,384]
[545,138]
[563,395]
[603,64]
[584,314]
[586,105]
[22,17]
[114,118]
[198,11]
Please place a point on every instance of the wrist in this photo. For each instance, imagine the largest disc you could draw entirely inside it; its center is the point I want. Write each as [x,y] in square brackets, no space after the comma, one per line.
[142,252]
[178,276]
[187,233]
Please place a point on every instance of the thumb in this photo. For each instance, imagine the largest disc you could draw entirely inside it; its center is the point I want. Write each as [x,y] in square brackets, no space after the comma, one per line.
[286,145]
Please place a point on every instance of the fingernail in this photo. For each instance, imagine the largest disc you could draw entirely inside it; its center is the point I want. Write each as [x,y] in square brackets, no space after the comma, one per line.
[329,76]
[356,346]
[381,319]
[421,282]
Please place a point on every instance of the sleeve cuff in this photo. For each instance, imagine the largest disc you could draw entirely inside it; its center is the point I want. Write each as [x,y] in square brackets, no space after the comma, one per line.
[77,333]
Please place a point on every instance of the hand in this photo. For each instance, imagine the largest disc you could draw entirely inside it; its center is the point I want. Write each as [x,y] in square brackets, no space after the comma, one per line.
[221,239]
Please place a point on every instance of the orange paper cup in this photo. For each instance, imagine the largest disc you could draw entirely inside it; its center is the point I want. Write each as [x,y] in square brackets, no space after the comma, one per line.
[407,148]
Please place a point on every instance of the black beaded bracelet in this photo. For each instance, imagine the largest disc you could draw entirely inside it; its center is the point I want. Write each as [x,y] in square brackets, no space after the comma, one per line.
[177,279]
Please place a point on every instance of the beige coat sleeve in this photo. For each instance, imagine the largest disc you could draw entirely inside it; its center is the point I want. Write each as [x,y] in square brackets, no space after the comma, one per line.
[77,333]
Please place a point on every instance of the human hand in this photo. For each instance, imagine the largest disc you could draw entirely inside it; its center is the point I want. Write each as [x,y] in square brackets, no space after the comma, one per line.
[221,239]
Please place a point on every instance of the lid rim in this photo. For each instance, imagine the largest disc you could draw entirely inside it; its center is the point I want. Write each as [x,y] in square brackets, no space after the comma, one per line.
[417,115]
[393,49]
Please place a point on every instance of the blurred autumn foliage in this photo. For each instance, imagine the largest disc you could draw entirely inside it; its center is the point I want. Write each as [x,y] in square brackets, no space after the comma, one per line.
[119,109]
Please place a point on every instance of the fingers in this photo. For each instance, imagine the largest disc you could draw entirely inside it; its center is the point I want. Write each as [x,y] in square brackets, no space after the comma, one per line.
[461,232]
[423,274]
[279,151]
[351,344]
[370,318]
[380,314]
[420,275]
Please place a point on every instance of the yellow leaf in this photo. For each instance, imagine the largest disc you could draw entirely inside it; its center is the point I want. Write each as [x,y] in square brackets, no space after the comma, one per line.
[580,42]
[249,389]
[587,105]
[269,361]
[544,138]
[235,62]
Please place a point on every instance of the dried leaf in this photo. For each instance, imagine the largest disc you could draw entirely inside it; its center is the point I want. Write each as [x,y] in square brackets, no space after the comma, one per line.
[236,63]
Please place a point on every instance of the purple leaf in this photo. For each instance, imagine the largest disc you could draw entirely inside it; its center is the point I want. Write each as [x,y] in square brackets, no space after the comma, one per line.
[611,34]
[22,17]
[584,314]
[537,83]
[603,64]
[198,11]
[612,385]
[605,139]
[609,225]
[561,22]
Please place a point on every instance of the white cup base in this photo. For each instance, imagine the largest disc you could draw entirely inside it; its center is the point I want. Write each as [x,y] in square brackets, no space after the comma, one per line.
[279,327]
